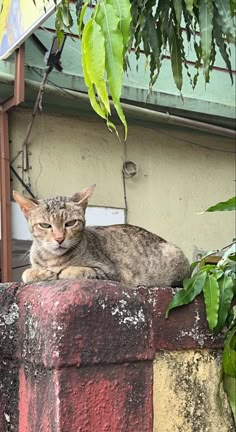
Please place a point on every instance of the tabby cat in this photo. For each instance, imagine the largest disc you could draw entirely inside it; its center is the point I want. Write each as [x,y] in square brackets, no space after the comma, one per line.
[63,248]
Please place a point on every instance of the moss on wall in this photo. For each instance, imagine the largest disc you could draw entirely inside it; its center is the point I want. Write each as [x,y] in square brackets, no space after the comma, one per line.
[186,393]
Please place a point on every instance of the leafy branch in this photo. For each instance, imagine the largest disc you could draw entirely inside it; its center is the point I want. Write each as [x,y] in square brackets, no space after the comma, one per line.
[109,29]
[104,37]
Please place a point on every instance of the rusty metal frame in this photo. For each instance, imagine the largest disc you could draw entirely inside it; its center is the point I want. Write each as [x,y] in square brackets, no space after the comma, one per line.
[5,191]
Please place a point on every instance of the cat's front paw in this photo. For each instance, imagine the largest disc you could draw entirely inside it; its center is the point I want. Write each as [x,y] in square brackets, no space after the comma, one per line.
[36,275]
[77,273]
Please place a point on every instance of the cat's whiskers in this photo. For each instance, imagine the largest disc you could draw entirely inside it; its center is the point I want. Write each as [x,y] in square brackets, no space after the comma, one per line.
[71,243]
[24,256]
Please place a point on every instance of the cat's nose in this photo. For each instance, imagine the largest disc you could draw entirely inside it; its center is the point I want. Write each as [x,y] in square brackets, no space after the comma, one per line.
[60,240]
[59,235]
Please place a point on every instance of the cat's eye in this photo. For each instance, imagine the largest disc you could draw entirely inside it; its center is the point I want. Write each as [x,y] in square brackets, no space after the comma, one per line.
[71,223]
[45,225]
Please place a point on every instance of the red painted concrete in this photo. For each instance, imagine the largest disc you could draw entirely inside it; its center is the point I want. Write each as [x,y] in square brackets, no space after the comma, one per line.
[114,398]
[186,326]
[76,356]
[83,323]
[86,350]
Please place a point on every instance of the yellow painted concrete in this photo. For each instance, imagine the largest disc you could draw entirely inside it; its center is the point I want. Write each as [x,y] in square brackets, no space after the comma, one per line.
[175,180]
[185,393]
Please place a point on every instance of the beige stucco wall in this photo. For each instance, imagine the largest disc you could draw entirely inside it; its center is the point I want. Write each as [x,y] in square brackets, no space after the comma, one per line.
[175,181]
[186,395]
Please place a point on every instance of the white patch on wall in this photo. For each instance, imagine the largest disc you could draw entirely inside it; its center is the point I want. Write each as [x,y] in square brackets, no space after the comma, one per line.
[94,216]
[20,230]
[104,216]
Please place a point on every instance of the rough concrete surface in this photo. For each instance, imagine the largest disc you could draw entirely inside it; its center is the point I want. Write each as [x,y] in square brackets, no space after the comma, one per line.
[185,393]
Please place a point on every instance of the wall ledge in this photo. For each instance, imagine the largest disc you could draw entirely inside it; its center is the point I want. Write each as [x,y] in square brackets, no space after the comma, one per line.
[131,321]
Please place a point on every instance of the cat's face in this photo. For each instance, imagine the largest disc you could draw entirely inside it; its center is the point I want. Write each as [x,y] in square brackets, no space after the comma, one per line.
[56,223]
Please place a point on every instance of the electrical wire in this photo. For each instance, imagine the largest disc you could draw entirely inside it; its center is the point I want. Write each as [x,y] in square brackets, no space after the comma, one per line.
[62,89]
[194,143]
[124,184]
[40,150]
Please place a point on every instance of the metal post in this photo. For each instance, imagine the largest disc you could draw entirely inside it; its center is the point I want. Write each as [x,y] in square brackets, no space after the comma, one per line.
[18,97]
[6,250]
[19,85]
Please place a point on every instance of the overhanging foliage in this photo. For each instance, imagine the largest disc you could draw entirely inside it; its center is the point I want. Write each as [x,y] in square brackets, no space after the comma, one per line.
[156,27]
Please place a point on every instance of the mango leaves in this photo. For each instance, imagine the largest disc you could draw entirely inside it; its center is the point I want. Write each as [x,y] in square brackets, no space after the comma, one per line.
[173,20]
[228,205]
[217,282]
[111,26]
[105,39]
[224,18]
[226,294]
[212,299]
[192,288]
[109,29]
[104,42]
[206,27]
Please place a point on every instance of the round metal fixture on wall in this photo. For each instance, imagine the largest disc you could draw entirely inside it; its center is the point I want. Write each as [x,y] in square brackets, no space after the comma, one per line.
[130,168]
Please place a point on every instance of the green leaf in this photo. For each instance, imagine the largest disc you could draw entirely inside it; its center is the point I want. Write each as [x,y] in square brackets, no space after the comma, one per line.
[229,353]
[232,6]
[59,27]
[81,18]
[189,6]
[109,22]
[226,285]
[206,27]
[66,16]
[225,19]
[217,273]
[154,36]
[176,57]
[198,63]
[220,41]
[122,8]
[228,205]
[95,104]
[93,48]
[229,384]
[211,296]
[208,267]
[192,288]
[194,265]
[99,109]
[163,16]
[178,11]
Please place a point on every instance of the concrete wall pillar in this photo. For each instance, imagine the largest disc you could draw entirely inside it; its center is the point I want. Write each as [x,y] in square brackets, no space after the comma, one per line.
[84,360]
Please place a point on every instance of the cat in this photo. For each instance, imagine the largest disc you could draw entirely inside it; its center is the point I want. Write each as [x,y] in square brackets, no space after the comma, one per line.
[63,248]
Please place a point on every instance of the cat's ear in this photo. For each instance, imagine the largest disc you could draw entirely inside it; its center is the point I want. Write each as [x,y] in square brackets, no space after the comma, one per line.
[26,204]
[82,197]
